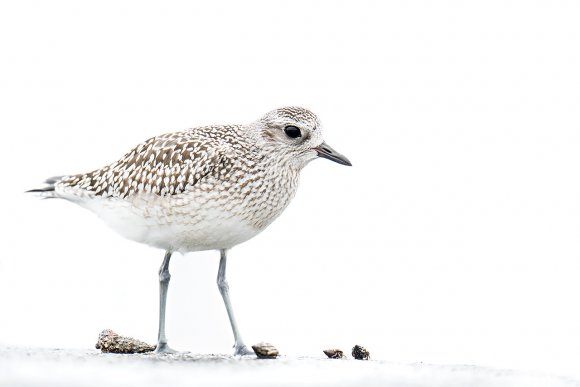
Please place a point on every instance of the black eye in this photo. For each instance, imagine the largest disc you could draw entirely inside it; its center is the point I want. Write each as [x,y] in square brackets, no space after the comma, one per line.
[292,131]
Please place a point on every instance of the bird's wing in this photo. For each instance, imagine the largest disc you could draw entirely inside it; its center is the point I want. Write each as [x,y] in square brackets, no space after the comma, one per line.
[164,165]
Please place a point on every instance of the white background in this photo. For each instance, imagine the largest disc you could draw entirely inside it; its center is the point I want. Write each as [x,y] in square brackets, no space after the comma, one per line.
[452,239]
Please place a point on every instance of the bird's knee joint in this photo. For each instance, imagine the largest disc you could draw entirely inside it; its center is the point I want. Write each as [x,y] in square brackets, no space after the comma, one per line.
[164,276]
[223,285]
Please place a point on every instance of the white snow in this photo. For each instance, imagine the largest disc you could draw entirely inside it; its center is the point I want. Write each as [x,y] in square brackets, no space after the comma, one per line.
[28,367]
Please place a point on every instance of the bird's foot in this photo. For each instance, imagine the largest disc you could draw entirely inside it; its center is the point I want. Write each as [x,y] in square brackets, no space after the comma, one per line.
[163,348]
[242,350]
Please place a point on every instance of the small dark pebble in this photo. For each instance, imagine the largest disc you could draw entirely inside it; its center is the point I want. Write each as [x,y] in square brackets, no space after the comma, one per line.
[110,342]
[334,353]
[360,353]
[265,351]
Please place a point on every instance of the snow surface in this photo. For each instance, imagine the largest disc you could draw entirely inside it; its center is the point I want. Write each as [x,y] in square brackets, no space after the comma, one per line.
[27,367]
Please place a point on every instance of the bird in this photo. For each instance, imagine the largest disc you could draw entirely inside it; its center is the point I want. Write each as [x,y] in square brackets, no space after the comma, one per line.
[205,188]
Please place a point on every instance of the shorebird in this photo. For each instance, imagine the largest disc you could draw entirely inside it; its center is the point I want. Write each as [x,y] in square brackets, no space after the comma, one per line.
[205,188]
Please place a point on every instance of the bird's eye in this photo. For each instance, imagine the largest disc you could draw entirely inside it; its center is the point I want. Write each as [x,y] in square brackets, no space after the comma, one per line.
[292,131]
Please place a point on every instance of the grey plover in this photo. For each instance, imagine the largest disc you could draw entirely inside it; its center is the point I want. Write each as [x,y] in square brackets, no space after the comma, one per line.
[206,188]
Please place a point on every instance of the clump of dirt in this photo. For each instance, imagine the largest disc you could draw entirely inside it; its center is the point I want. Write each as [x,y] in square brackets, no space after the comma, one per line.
[111,342]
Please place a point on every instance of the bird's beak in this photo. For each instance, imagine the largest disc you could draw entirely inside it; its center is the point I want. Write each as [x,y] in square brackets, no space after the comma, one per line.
[324,150]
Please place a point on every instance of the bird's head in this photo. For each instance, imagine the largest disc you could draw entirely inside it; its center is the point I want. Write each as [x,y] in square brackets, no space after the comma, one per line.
[294,134]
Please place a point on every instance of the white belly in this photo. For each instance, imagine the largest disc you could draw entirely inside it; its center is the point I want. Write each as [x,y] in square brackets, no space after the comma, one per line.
[174,224]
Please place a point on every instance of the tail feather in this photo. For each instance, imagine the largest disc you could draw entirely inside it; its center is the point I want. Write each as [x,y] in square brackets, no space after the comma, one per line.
[47,192]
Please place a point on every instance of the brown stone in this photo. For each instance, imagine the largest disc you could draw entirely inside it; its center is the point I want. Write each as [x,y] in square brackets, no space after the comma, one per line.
[334,353]
[265,351]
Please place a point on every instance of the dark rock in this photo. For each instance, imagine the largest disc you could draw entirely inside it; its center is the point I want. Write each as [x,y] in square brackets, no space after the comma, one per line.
[360,353]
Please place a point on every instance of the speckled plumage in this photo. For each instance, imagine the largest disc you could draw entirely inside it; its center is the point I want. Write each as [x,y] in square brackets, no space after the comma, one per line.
[209,187]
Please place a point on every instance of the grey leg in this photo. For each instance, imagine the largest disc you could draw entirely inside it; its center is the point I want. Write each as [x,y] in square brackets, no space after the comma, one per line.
[240,347]
[164,278]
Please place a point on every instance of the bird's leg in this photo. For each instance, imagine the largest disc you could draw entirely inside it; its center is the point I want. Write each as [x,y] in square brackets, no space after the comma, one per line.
[240,347]
[164,278]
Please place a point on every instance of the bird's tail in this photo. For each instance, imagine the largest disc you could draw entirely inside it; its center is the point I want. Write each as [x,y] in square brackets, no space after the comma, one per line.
[48,191]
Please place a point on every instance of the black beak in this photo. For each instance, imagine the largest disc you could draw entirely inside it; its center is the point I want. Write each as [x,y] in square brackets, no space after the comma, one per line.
[327,152]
